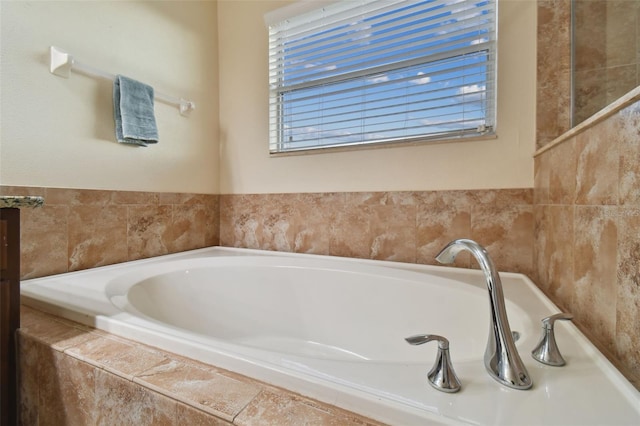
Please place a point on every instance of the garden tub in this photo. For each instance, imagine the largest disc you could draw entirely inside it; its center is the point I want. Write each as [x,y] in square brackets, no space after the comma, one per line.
[333,329]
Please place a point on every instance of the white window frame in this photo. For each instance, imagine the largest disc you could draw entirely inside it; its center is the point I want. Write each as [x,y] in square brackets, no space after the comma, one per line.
[305,16]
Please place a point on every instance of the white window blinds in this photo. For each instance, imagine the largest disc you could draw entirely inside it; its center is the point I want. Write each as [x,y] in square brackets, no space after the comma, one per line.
[379,71]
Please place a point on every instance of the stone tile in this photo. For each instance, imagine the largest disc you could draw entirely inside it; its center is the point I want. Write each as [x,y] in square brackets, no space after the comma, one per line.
[564,101]
[270,408]
[577,268]
[393,233]
[187,228]
[43,241]
[122,402]
[447,199]
[590,92]
[595,271]
[605,53]
[554,52]
[547,125]
[57,333]
[22,190]
[70,391]
[313,215]
[540,224]
[227,220]
[200,387]
[590,48]
[277,214]
[186,415]
[283,216]
[28,314]
[380,198]
[437,225]
[379,232]
[28,379]
[146,227]
[81,228]
[350,233]
[597,165]
[628,290]
[97,236]
[502,197]
[554,252]
[620,81]
[66,390]
[621,46]
[507,234]
[179,198]
[212,221]
[541,174]
[121,357]
[377,225]
[240,221]
[562,173]
[134,197]
[590,38]
[78,197]
[629,147]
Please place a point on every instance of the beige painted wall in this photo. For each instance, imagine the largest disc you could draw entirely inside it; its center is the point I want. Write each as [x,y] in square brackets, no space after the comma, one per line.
[58,132]
[246,167]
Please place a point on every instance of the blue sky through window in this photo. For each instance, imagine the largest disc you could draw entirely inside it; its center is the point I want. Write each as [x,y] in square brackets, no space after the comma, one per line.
[418,69]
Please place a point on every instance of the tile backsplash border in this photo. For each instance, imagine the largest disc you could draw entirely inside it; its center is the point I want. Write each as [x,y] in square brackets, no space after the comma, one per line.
[83,228]
[79,229]
[405,226]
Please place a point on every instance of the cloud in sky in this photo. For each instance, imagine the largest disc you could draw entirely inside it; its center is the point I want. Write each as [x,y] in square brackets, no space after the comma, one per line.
[472,88]
[379,79]
[421,80]
[325,68]
[473,93]
[479,41]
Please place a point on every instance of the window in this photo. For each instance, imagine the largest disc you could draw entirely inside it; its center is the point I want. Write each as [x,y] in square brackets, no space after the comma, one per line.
[381,71]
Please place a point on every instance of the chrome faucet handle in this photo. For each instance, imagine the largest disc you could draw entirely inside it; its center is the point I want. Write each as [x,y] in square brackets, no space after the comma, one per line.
[547,351]
[442,377]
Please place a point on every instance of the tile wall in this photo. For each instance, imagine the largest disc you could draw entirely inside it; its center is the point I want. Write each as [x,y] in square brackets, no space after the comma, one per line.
[553,98]
[607,62]
[587,184]
[397,226]
[607,58]
[79,228]
[587,232]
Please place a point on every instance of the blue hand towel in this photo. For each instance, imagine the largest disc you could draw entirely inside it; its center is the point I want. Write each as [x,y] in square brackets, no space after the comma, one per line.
[133,112]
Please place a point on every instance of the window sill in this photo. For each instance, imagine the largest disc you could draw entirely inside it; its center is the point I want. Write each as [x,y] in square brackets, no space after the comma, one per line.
[383,145]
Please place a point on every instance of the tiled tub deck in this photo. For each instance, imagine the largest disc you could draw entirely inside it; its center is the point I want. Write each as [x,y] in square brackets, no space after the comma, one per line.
[71,374]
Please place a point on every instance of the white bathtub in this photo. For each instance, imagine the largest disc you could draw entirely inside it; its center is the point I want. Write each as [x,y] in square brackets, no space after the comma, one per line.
[334,329]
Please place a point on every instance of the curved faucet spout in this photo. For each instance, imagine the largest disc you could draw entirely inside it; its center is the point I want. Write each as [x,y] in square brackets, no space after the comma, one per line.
[501,357]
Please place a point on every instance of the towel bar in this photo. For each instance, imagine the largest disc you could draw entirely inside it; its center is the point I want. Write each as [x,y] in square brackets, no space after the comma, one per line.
[61,63]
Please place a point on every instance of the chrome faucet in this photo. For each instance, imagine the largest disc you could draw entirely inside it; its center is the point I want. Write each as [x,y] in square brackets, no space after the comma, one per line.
[501,358]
